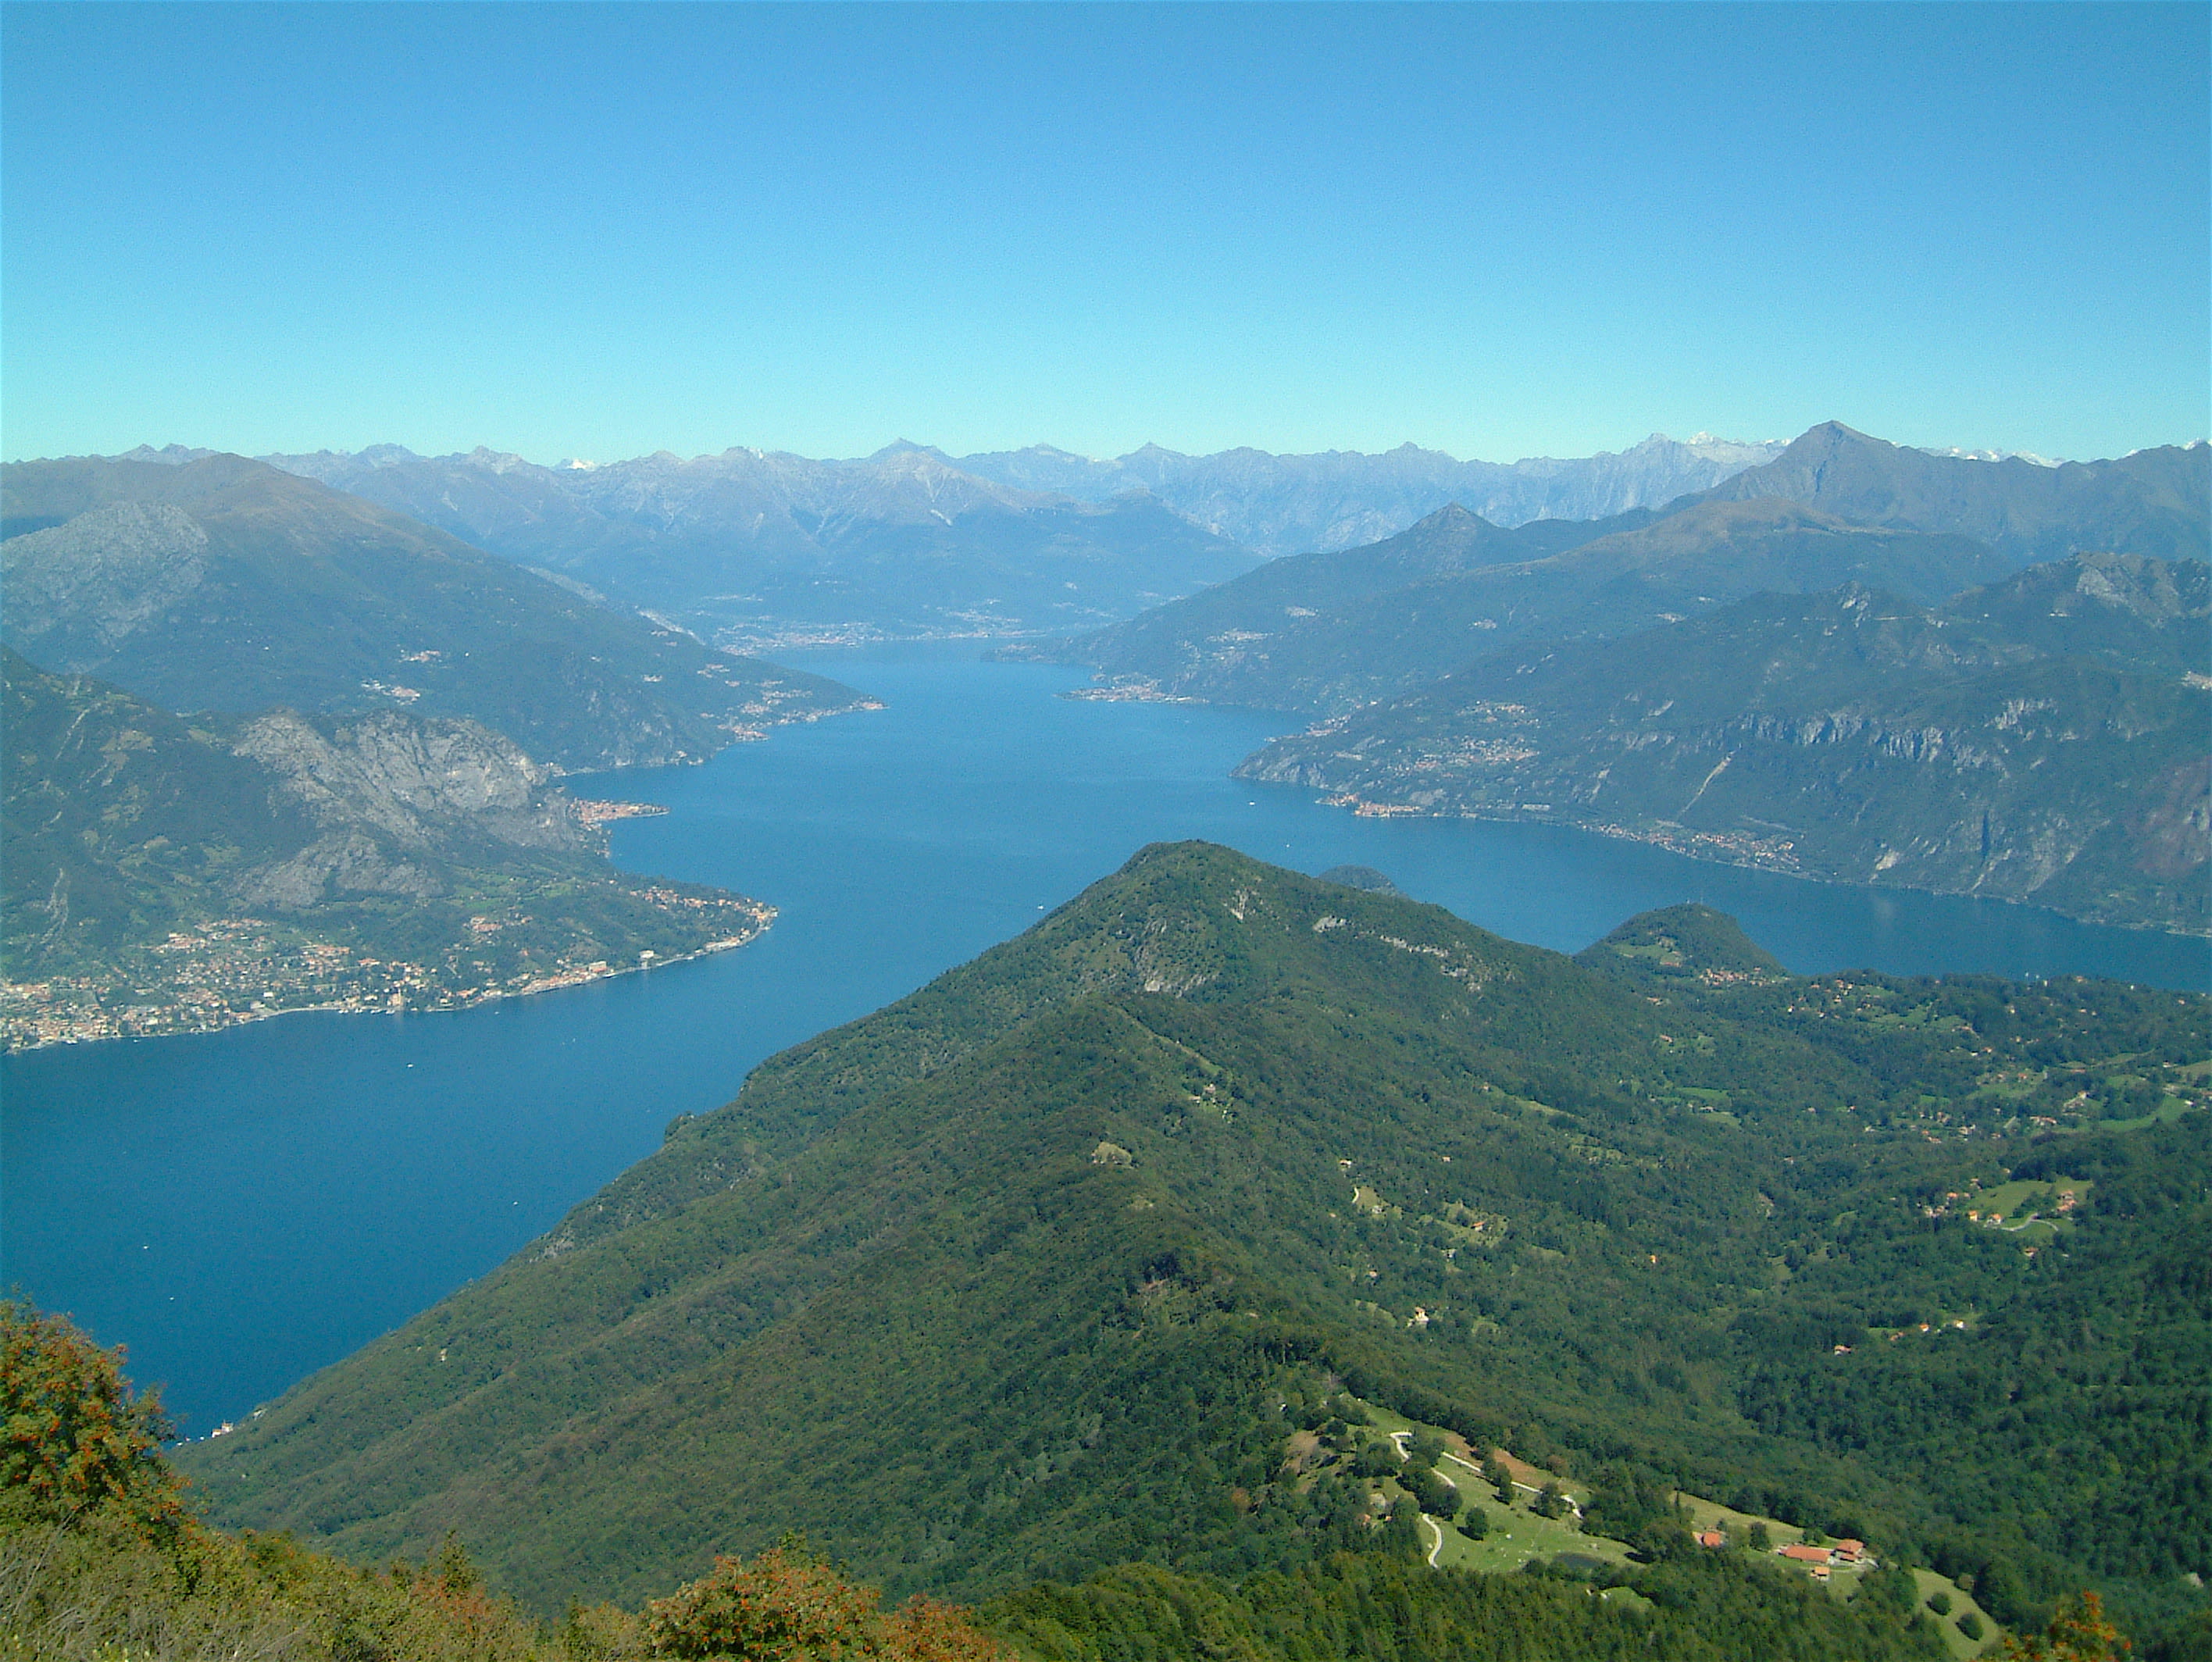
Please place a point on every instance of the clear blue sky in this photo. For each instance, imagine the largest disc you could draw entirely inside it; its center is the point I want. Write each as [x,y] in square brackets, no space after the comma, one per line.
[604,230]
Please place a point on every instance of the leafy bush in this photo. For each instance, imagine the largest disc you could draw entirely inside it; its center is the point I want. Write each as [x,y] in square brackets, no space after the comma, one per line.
[785,1605]
[72,1436]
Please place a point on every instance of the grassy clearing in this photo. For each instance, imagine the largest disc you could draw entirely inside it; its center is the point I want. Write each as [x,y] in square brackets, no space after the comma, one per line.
[1517,1536]
[2170,1108]
[1929,1584]
[2017,1200]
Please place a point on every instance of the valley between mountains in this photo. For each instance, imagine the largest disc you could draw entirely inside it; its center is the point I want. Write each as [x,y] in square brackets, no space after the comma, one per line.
[1236,1263]
[1838,659]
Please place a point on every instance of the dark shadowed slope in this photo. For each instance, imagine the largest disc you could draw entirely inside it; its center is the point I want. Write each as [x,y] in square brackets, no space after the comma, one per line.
[1353,628]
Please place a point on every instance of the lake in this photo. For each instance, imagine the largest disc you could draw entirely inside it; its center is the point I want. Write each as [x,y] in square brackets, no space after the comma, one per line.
[242,1208]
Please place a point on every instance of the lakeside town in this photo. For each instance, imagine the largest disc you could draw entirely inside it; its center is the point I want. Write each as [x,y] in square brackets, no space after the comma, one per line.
[225,972]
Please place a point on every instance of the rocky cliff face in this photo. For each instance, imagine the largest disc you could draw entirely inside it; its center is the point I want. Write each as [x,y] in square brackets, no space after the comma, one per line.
[91,583]
[419,782]
[387,791]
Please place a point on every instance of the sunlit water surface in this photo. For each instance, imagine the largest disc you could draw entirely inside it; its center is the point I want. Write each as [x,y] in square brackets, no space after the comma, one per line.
[242,1208]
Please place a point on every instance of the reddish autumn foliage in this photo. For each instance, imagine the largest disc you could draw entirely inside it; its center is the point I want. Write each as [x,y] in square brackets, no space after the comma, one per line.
[72,1435]
[2078,1632]
[787,1606]
[924,1630]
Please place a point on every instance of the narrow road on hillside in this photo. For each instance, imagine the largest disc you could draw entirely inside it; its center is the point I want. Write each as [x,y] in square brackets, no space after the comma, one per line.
[1398,1440]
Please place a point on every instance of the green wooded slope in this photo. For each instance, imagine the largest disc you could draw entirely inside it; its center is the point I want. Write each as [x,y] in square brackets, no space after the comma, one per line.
[1039,1269]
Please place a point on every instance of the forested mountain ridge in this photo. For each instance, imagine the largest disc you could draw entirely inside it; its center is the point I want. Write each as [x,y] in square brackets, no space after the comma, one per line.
[2156,501]
[1850,736]
[1329,633]
[1050,1261]
[101,1556]
[170,876]
[752,547]
[1326,634]
[2129,610]
[225,585]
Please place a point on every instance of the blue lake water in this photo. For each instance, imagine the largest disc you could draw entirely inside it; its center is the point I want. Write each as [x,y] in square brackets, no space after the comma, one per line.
[242,1208]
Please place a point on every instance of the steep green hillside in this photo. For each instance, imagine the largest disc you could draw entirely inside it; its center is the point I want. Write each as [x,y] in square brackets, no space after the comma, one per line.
[1279,641]
[166,876]
[102,1559]
[222,584]
[1051,1264]
[1849,735]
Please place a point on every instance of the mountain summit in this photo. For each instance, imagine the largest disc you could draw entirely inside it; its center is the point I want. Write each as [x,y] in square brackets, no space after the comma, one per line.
[1068,1259]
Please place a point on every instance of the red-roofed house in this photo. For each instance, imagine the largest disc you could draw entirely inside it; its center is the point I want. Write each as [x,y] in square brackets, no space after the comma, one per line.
[1712,1537]
[1805,1554]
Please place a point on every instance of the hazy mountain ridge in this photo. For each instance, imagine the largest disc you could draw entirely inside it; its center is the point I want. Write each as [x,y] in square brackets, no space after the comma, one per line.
[217,582]
[1294,504]
[750,546]
[1327,633]
[1849,735]
[170,876]
[1054,1259]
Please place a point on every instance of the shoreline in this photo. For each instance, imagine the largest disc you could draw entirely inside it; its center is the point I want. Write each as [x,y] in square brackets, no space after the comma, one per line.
[1691,848]
[555,983]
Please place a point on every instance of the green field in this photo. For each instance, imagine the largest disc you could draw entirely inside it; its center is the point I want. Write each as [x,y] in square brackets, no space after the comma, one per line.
[1929,1584]
[1517,1536]
[2030,1210]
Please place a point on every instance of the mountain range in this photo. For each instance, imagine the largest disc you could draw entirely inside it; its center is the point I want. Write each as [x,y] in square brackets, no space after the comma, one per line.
[1081,1254]
[2040,739]
[759,549]
[1278,505]
[762,548]
[222,584]
[2149,501]
[1327,632]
